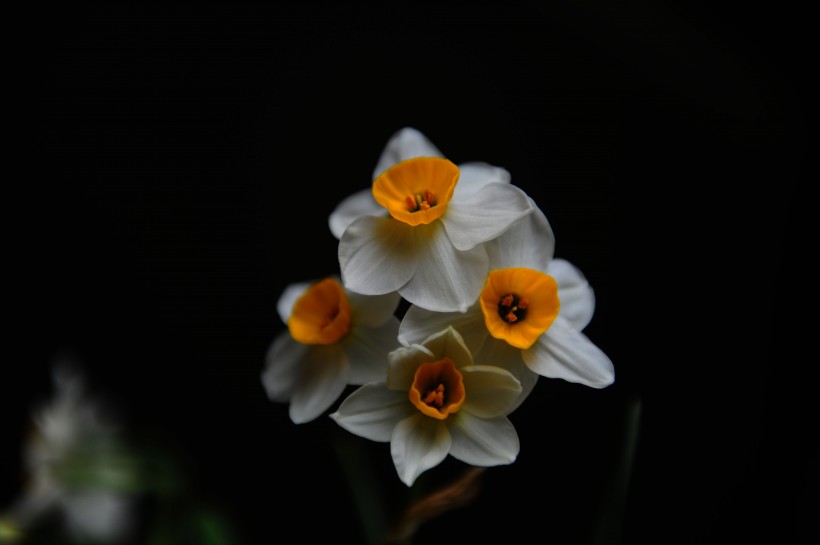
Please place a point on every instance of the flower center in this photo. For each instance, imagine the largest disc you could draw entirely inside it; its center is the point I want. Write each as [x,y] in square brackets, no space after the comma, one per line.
[519,305]
[512,308]
[419,202]
[416,191]
[321,315]
[438,388]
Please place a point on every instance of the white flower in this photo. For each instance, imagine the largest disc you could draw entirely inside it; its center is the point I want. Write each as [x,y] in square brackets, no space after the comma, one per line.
[77,467]
[436,402]
[335,337]
[530,314]
[420,228]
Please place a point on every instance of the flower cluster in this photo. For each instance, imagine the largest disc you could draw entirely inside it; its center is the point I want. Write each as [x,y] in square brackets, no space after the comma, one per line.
[490,310]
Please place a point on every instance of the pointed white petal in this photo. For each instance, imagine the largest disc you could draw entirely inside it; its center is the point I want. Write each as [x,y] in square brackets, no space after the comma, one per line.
[372,411]
[373,310]
[449,344]
[406,143]
[566,353]
[402,364]
[418,443]
[367,349]
[418,324]
[322,381]
[377,255]
[445,279]
[576,295]
[475,175]
[483,442]
[282,367]
[485,214]
[360,203]
[530,242]
[491,391]
[284,306]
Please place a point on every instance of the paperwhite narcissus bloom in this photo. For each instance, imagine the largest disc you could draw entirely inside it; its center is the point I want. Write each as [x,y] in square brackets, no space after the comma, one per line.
[335,337]
[77,468]
[530,313]
[420,229]
[436,402]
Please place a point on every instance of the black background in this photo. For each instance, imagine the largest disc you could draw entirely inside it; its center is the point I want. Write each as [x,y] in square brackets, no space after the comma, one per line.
[185,163]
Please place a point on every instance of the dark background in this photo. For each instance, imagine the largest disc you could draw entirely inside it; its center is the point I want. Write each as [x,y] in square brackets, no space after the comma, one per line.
[185,163]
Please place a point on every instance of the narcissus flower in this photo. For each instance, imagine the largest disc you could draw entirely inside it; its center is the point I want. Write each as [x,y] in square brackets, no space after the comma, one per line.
[420,228]
[436,401]
[530,313]
[335,337]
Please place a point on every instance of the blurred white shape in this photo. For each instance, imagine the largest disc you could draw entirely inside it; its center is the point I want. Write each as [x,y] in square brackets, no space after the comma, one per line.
[73,461]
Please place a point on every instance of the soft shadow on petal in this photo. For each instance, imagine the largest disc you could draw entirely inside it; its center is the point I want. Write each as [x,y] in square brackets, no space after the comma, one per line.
[576,295]
[500,354]
[418,324]
[402,364]
[322,380]
[373,310]
[485,215]
[566,353]
[352,207]
[377,255]
[367,350]
[418,444]
[405,143]
[491,391]
[445,280]
[483,442]
[530,242]
[281,372]
[475,175]
[372,411]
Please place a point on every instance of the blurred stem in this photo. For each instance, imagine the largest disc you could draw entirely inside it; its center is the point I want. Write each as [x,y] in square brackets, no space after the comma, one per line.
[366,493]
[609,529]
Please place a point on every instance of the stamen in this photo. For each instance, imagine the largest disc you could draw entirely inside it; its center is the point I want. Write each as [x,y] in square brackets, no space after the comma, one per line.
[435,397]
[512,308]
[420,201]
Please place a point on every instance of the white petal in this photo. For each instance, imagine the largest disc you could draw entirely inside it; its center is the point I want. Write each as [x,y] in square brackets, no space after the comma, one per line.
[449,344]
[418,324]
[475,175]
[402,365]
[282,367]
[322,381]
[574,292]
[373,310]
[284,306]
[418,443]
[405,144]
[530,242]
[367,350]
[501,354]
[445,279]
[377,255]
[485,215]
[491,391]
[566,353]
[351,207]
[483,442]
[372,411]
